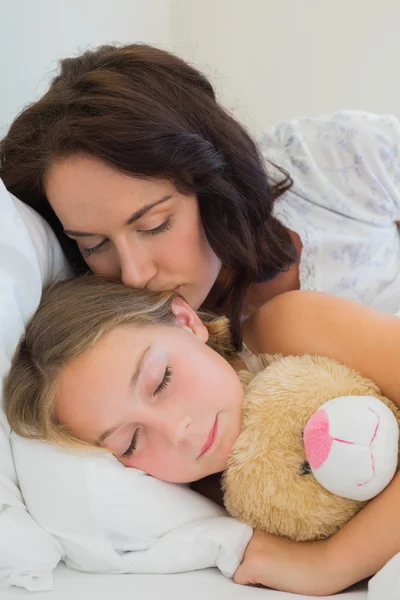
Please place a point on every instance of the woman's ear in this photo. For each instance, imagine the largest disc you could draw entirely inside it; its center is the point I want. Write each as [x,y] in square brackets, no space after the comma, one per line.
[187,318]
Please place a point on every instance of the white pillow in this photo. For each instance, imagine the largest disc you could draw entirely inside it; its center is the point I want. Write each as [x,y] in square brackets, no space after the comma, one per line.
[28,554]
[52,262]
[109,518]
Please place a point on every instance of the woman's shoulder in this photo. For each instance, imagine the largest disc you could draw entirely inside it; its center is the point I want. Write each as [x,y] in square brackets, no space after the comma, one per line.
[303,321]
[314,322]
[267,328]
[319,324]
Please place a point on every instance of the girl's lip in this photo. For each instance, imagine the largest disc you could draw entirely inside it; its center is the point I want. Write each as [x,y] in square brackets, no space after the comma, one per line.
[210,438]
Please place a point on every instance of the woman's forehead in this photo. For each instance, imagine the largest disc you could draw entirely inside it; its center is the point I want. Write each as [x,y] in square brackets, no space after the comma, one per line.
[83,171]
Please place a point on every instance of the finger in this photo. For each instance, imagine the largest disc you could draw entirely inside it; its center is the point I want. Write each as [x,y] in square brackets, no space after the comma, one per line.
[240,576]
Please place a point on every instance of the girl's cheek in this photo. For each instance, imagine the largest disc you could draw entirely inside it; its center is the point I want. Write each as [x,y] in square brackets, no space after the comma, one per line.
[144,458]
[138,460]
[156,460]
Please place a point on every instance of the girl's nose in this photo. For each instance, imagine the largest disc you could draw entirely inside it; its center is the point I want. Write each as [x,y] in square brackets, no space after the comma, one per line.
[175,430]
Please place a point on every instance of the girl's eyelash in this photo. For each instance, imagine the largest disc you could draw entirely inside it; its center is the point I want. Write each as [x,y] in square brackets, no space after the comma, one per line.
[132,446]
[89,251]
[165,381]
[164,384]
[160,229]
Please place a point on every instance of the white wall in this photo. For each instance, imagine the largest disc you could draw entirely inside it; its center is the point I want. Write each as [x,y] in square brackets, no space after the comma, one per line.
[269,59]
[276,59]
[34,34]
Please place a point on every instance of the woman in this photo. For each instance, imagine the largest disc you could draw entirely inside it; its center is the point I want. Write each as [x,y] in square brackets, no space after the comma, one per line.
[127,370]
[145,177]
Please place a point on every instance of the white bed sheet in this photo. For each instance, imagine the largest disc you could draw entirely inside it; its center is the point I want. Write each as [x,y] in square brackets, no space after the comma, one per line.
[195,585]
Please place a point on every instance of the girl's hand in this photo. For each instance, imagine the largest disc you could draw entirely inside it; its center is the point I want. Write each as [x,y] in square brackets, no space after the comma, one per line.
[288,566]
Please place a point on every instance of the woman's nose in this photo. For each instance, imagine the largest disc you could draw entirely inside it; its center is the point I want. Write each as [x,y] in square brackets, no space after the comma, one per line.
[135,277]
[137,268]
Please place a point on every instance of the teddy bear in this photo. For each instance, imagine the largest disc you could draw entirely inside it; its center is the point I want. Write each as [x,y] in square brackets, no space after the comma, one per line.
[317,442]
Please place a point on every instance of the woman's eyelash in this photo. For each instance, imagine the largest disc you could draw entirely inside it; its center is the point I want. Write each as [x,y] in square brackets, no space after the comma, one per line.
[165,381]
[132,446]
[89,251]
[160,229]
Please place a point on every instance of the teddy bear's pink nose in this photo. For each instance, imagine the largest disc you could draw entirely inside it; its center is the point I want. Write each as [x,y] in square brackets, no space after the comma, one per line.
[317,441]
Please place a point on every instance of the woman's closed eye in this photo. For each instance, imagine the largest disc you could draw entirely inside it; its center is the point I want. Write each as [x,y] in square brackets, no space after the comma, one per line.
[165,226]
[89,251]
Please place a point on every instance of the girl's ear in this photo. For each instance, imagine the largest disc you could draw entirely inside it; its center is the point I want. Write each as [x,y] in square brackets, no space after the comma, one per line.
[187,318]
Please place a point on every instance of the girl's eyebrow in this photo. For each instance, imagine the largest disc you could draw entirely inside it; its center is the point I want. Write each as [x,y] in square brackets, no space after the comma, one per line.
[134,380]
[135,217]
[139,366]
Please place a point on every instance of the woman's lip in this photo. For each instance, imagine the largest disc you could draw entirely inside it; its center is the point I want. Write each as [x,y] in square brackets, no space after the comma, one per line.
[210,438]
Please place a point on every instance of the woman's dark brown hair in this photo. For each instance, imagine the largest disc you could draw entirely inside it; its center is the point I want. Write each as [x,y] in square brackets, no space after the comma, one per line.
[147,113]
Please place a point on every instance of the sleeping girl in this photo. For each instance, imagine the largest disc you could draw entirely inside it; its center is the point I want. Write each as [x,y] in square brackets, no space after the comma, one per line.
[142,375]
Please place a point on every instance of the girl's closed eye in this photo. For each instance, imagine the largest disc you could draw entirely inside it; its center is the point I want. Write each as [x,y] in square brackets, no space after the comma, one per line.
[165,381]
[132,446]
[161,386]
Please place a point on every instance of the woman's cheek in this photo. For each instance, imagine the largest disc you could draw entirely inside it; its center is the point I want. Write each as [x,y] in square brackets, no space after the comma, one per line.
[104,264]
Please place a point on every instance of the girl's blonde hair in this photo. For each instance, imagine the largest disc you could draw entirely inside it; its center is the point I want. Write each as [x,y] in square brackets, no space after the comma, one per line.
[72,316]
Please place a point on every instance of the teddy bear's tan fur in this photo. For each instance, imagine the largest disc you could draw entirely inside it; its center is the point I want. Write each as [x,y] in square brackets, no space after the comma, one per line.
[266,483]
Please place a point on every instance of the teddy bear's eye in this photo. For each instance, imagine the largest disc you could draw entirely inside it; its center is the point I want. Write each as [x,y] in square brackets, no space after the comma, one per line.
[305,468]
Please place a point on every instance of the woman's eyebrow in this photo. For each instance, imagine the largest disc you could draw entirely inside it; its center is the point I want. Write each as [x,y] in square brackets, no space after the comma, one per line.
[135,217]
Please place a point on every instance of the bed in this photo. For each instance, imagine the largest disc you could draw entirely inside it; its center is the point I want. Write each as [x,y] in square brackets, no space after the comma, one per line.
[196,585]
